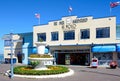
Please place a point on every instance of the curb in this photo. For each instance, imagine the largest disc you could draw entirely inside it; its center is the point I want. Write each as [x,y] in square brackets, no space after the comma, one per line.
[71,72]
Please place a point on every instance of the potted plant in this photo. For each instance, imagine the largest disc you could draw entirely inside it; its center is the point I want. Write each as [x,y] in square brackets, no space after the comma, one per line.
[40,40]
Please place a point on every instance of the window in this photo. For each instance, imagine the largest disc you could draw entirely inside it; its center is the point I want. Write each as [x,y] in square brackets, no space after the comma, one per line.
[85,33]
[118,32]
[41,36]
[61,23]
[7,43]
[54,36]
[69,35]
[55,23]
[23,40]
[103,32]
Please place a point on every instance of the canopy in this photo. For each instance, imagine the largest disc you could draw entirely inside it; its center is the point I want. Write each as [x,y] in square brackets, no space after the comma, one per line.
[104,48]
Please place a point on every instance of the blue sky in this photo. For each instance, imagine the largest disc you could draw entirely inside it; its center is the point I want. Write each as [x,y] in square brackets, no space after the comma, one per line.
[18,16]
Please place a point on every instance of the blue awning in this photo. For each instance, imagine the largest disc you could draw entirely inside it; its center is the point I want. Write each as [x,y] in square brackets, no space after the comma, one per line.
[118,48]
[109,48]
[35,50]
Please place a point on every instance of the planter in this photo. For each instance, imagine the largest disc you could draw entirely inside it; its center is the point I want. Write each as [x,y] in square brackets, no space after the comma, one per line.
[41,47]
[42,63]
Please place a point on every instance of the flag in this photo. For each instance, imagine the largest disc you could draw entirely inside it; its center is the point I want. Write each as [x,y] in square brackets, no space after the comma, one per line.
[37,15]
[70,8]
[114,4]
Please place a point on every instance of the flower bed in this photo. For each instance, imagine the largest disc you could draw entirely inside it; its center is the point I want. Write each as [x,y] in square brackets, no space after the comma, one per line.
[40,56]
[25,70]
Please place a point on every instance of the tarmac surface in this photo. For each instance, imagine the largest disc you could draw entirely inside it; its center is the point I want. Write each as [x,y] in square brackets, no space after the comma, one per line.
[81,73]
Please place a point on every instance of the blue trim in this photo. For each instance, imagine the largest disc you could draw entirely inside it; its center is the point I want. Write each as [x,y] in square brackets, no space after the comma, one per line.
[34,51]
[118,48]
[46,50]
[105,48]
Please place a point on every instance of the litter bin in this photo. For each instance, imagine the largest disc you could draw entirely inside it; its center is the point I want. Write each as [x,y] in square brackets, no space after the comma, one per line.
[94,63]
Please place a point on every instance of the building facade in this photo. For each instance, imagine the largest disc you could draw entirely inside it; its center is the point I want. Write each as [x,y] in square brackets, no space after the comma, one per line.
[71,40]
[21,50]
[76,41]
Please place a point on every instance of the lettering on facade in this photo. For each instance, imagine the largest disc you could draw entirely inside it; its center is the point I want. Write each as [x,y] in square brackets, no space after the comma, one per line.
[69,27]
[82,20]
[70,24]
[61,23]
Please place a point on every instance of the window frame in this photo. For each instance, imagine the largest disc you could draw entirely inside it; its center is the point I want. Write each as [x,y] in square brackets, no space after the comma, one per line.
[54,36]
[41,36]
[85,34]
[103,32]
[69,35]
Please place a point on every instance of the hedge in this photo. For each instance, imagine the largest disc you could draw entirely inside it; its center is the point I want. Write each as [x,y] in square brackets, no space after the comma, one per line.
[25,70]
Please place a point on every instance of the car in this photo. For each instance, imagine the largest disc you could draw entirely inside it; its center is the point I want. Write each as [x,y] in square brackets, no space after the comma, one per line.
[113,64]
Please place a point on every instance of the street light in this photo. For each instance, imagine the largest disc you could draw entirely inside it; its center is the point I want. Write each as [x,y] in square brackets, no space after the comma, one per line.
[10,37]
[11,56]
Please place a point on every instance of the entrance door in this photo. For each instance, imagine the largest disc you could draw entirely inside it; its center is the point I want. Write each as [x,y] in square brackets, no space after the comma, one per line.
[61,58]
[19,56]
[78,59]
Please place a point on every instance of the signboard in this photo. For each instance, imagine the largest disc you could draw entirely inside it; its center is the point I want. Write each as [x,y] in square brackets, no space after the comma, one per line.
[6,37]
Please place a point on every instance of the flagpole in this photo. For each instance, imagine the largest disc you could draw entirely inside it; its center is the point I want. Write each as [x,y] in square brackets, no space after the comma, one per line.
[39,21]
[69,13]
[37,15]
[70,10]
[110,11]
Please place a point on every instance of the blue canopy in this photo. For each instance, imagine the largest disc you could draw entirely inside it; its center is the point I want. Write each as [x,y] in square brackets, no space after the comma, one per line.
[104,48]
[118,48]
[35,50]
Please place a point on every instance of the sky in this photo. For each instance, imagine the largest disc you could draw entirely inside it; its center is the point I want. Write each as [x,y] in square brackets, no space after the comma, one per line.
[18,16]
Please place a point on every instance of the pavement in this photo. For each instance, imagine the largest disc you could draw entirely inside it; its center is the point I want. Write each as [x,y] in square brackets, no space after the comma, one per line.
[81,73]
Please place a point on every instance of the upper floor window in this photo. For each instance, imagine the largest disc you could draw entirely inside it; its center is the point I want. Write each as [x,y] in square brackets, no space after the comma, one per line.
[23,40]
[103,32]
[117,32]
[41,36]
[54,36]
[85,33]
[69,35]
[7,43]
[55,23]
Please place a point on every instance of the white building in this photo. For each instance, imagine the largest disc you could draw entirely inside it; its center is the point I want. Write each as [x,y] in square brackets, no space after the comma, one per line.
[75,40]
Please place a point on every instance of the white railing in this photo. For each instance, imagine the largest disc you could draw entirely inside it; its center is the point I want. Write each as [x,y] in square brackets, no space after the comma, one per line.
[104,62]
[119,63]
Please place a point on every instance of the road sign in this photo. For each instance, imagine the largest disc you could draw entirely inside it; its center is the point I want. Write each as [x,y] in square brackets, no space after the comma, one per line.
[11,41]
[6,37]
[17,40]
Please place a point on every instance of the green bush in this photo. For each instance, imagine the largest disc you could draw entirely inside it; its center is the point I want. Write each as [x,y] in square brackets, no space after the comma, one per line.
[25,70]
[33,64]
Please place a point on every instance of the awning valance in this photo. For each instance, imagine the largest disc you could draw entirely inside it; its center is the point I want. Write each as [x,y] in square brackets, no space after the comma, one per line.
[105,48]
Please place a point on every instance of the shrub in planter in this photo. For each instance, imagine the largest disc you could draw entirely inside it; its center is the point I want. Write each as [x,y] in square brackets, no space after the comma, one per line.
[33,64]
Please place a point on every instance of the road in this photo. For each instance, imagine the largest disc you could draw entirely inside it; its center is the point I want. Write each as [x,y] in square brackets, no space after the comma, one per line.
[82,73]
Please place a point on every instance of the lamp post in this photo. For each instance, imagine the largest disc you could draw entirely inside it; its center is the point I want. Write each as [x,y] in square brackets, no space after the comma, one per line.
[10,38]
[11,56]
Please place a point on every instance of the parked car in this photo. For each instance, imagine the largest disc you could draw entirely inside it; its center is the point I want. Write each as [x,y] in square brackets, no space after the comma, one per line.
[113,64]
